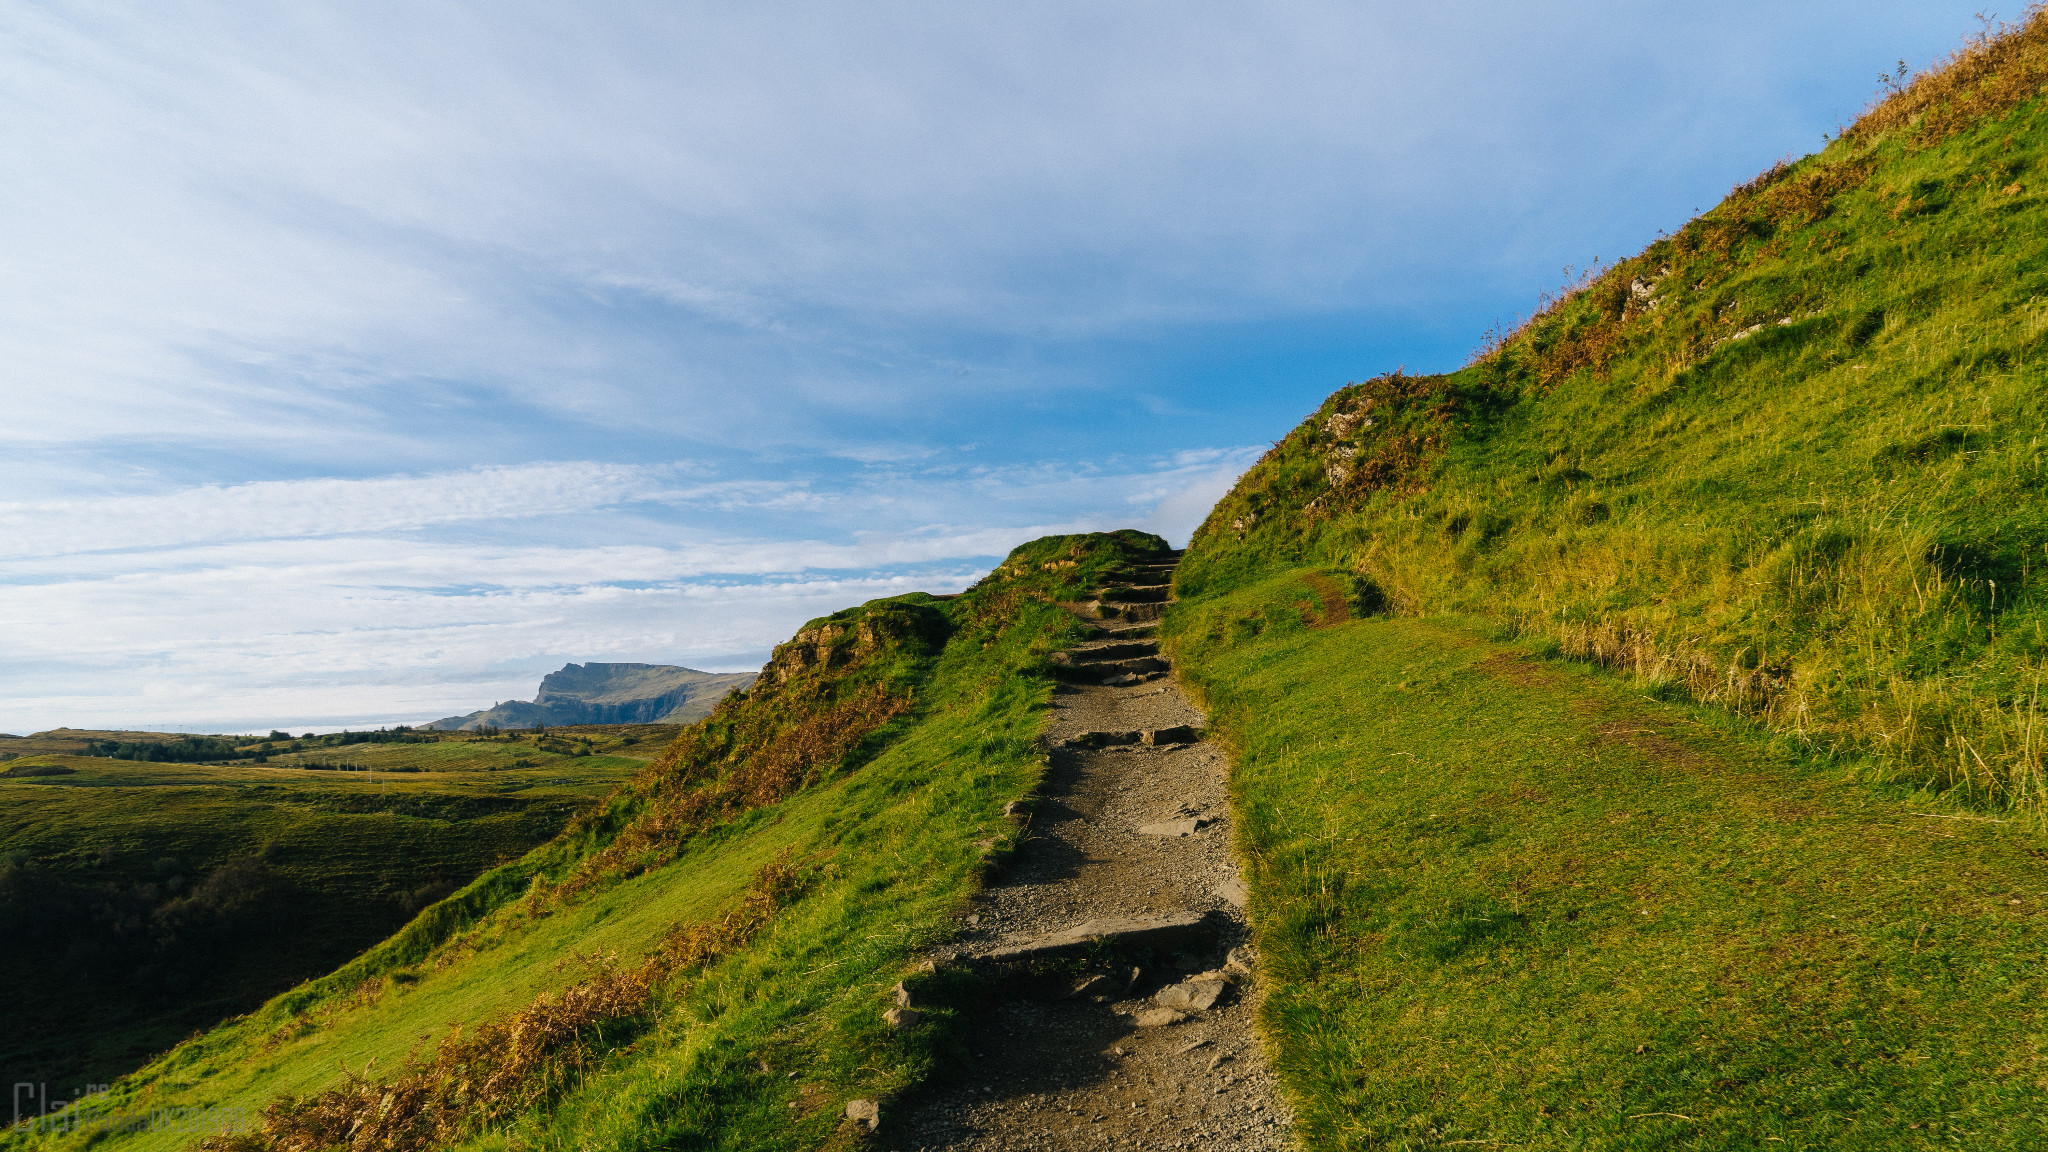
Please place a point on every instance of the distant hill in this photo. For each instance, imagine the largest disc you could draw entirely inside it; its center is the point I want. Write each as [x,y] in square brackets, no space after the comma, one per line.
[608,694]
[75,741]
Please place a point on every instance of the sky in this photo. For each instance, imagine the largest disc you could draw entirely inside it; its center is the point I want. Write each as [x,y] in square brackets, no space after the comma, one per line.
[363,362]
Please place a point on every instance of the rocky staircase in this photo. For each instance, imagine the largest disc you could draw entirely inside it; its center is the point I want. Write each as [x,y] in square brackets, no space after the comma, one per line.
[1124,612]
[1136,598]
[1115,932]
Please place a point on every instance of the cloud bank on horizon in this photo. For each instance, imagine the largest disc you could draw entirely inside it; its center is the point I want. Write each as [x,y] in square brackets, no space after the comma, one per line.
[365,361]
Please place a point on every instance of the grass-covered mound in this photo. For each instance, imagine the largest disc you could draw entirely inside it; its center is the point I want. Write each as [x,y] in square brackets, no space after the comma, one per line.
[1786,460]
[704,960]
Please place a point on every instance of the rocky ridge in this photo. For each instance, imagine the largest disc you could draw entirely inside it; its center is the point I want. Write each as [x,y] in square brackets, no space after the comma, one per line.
[608,694]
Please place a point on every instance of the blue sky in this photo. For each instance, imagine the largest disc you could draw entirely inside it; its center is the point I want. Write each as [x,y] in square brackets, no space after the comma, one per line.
[364,362]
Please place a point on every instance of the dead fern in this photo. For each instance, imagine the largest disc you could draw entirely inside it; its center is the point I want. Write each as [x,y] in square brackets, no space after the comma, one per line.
[696,791]
[515,1062]
[1993,72]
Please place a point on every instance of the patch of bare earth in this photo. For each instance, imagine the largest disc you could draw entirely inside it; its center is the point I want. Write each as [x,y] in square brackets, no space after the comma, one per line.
[1137,1058]
[1336,606]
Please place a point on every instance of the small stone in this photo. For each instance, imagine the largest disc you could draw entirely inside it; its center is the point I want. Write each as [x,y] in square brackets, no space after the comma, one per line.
[1017,810]
[1098,988]
[1234,892]
[904,999]
[1158,1018]
[1239,963]
[902,1018]
[1219,1060]
[1184,1049]
[864,1112]
[1197,994]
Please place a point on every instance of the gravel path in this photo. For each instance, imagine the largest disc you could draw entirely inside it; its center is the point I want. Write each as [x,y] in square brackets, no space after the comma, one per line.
[1098,1070]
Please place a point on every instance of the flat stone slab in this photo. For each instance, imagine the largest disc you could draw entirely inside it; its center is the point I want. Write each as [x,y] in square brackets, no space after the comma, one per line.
[1106,739]
[1147,930]
[1187,827]
[1104,670]
[1195,994]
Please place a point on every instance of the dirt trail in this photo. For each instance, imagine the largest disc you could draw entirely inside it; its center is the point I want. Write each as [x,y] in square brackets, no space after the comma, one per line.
[1101,1069]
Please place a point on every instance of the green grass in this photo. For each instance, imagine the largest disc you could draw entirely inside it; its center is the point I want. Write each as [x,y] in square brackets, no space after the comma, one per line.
[895,841]
[1510,900]
[1788,460]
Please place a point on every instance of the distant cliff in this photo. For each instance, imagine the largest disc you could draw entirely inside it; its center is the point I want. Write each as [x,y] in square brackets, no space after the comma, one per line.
[609,694]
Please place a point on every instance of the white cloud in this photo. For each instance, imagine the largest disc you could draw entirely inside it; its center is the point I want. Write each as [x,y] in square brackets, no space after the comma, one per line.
[338,507]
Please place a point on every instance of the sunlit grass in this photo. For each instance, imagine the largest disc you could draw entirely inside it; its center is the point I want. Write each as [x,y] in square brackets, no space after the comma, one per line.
[1787,460]
[1509,900]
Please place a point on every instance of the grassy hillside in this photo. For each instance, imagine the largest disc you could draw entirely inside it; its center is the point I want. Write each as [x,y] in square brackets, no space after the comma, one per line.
[1787,460]
[1504,900]
[703,960]
[1637,730]
[139,901]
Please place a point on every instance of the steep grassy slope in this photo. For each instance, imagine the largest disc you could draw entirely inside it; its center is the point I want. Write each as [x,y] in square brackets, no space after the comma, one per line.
[1787,460]
[703,961]
[1637,730]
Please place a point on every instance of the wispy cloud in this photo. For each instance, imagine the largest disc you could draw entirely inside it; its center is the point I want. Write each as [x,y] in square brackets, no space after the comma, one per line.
[717,220]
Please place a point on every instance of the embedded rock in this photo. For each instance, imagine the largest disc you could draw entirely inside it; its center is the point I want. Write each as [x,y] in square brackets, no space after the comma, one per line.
[1159,930]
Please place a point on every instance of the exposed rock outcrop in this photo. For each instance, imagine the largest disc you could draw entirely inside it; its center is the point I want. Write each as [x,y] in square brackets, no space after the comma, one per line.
[609,694]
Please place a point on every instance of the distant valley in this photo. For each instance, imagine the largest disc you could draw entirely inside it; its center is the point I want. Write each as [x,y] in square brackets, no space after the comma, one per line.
[608,694]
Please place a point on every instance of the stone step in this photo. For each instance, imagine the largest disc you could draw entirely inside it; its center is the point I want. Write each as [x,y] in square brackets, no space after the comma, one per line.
[1112,671]
[1135,593]
[1132,613]
[1144,737]
[1114,650]
[1159,931]
[1120,630]
[1114,618]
